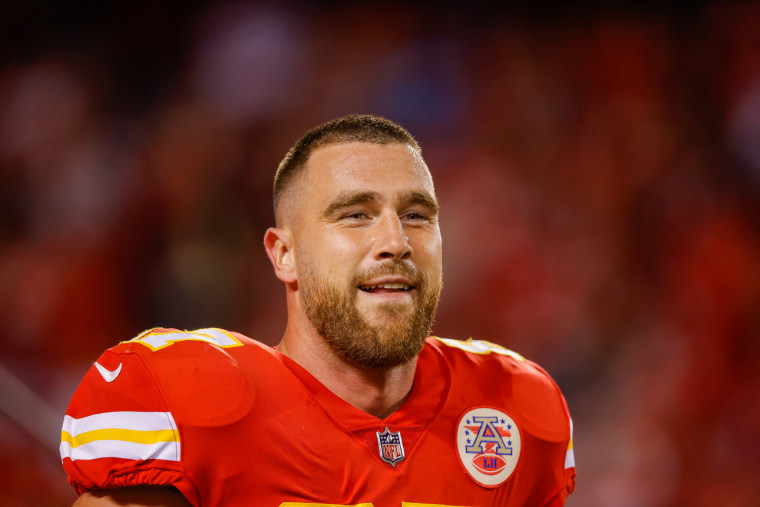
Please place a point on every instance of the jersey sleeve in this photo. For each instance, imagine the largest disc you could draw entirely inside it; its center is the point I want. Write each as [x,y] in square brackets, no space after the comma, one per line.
[536,399]
[570,463]
[549,417]
[118,430]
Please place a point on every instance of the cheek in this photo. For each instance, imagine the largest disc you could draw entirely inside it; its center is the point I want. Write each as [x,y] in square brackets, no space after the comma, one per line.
[344,249]
[430,252]
[333,255]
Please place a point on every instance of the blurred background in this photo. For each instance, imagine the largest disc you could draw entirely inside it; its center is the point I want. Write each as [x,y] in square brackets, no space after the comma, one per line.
[598,167]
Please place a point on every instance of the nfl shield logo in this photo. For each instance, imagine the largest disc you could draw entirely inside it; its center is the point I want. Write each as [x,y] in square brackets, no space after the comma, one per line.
[390,446]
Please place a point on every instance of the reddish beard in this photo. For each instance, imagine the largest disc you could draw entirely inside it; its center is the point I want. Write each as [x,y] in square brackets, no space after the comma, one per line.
[334,314]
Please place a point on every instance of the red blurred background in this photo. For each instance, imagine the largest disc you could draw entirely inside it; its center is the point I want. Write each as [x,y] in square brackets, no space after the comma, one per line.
[598,170]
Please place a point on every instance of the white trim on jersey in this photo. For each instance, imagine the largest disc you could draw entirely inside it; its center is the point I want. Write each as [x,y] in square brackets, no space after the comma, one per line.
[168,451]
[127,435]
[570,455]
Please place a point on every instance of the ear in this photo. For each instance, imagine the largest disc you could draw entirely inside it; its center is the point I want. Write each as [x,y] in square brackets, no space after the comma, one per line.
[279,246]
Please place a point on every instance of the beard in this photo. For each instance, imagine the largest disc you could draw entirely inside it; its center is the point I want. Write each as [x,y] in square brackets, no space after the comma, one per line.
[333,312]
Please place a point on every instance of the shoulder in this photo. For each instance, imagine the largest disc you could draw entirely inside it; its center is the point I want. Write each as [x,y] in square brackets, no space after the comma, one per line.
[189,356]
[485,359]
[204,377]
[477,351]
[527,388]
[173,342]
[135,403]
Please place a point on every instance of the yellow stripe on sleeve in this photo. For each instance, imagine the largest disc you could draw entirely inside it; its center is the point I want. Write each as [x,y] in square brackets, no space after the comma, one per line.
[135,436]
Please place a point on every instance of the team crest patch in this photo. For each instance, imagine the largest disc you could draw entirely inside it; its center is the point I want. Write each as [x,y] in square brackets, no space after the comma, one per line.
[390,446]
[488,445]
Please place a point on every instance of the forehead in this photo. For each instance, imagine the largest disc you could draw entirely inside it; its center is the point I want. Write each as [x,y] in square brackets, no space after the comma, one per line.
[385,168]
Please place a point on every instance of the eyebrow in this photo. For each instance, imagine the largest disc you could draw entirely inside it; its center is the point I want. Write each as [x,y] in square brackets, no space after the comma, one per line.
[354,198]
[426,200]
[350,199]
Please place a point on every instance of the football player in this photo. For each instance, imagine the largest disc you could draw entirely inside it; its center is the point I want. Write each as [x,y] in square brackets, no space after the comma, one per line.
[357,405]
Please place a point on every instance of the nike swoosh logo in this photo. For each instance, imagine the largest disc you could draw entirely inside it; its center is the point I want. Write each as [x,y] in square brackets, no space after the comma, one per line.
[108,375]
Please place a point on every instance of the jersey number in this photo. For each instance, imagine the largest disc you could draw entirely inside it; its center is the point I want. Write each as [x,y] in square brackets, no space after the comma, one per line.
[481,347]
[155,340]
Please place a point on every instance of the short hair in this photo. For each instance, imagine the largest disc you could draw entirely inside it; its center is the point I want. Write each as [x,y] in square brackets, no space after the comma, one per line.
[365,128]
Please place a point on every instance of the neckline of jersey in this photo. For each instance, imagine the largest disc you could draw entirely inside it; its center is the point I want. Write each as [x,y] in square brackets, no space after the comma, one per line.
[432,381]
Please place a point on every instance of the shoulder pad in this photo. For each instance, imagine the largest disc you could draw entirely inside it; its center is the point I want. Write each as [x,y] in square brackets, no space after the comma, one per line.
[198,372]
[533,393]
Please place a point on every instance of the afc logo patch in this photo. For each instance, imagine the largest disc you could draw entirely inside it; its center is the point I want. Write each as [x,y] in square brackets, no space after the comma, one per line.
[390,446]
[488,445]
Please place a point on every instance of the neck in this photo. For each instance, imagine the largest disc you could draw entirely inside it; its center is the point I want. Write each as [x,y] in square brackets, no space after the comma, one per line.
[377,391]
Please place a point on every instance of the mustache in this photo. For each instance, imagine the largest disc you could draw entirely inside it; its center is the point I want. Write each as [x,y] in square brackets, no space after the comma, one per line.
[398,268]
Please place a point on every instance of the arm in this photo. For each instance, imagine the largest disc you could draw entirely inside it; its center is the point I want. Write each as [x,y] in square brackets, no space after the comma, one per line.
[121,434]
[146,496]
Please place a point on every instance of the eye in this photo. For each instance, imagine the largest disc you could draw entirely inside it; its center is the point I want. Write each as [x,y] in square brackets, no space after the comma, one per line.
[356,215]
[414,216]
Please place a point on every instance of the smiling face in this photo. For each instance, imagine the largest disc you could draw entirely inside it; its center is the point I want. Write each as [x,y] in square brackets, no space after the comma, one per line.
[367,249]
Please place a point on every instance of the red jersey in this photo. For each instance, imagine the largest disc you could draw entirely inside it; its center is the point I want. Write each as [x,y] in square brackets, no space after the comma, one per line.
[229,421]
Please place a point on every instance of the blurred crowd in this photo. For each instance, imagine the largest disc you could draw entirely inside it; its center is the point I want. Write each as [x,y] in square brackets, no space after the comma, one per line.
[598,171]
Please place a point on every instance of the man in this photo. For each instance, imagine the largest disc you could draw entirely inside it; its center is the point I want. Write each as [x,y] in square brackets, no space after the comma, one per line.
[356,406]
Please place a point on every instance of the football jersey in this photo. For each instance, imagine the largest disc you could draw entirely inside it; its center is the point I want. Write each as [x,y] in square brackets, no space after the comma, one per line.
[229,421]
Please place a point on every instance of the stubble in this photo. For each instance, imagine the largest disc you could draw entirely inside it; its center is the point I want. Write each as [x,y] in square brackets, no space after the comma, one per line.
[333,312]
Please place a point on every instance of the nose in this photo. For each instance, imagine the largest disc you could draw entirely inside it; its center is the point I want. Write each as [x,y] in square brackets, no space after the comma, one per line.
[391,241]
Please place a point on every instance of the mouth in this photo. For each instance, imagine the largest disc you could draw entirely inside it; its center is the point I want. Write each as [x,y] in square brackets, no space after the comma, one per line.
[386,287]
[390,285]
